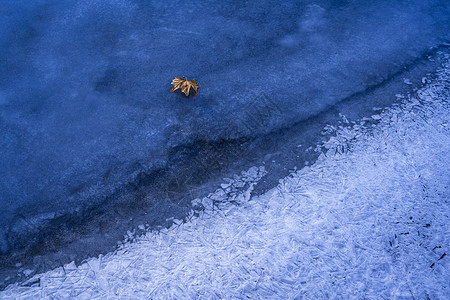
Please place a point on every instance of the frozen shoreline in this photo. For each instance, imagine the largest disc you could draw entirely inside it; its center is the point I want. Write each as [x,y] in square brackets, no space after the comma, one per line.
[368,222]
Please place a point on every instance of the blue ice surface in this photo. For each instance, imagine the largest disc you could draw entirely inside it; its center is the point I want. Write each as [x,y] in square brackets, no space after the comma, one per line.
[85,101]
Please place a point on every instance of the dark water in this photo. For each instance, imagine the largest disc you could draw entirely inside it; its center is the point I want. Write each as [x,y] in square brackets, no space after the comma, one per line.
[86,111]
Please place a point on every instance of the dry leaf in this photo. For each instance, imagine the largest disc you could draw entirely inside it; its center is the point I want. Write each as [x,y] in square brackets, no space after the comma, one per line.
[185,85]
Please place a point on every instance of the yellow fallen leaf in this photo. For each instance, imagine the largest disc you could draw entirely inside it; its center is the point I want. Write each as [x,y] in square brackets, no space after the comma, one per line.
[185,85]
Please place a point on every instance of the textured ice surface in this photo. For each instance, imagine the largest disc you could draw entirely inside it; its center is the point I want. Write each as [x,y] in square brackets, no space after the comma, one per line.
[84,85]
[368,220]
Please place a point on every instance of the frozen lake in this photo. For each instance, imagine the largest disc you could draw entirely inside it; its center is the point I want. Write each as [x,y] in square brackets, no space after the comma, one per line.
[367,223]
[85,101]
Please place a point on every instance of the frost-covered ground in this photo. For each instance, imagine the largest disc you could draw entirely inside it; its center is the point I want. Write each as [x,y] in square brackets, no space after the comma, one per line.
[85,101]
[369,220]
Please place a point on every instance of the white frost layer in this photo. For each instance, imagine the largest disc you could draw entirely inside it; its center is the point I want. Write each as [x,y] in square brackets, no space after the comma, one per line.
[368,220]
